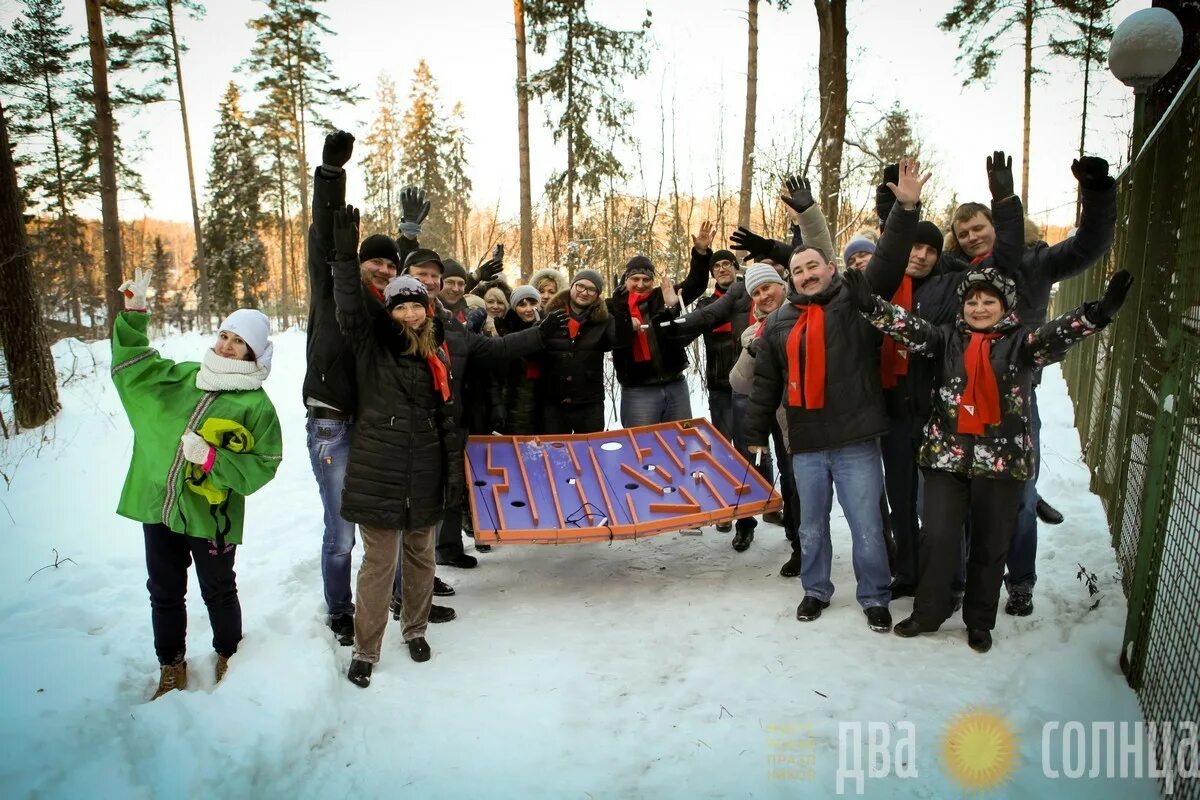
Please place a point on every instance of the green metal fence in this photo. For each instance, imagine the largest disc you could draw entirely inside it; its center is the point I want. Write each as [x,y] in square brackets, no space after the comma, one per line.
[1135,390]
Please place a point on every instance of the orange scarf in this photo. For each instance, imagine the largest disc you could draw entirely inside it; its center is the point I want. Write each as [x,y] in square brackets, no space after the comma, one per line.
[441,376]
[980,403]
[727,327]
[811,325]
[641,344]
[894,361]
[573,326]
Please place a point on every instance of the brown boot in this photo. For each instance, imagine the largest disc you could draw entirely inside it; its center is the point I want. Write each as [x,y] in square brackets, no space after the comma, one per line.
[171,676]
[222,666]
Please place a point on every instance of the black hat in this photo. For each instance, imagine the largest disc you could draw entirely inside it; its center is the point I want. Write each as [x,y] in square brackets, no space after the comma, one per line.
[453,269]
[423,256]
[722,255]
[379,245]
[638,265]
[930,234]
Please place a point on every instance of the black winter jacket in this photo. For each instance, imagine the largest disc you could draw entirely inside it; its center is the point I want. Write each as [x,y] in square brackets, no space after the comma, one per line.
[406,455]
[668,359]
[721,349]
[521,412]
[573,369]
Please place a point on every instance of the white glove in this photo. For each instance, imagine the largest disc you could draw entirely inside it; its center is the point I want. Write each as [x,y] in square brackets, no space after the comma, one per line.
[135,290]
[195,449]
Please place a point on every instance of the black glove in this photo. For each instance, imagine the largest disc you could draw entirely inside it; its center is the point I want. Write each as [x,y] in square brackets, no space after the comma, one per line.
[475,319]
[554,322]
[345,234]
[337,150]
[797,194]
[1102,311]
[489,270]
[884,200]
[752,243]
[414,208]
[1000,177]
[891,174]
[1092,172]
[860,290]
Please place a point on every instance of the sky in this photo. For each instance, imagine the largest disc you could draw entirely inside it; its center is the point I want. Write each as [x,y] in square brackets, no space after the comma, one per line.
[690,101]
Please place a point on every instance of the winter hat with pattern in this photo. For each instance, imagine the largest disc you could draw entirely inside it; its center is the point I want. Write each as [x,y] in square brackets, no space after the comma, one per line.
[404,289]
[255,329]
[525,292]
[379,245]
[638,265]
[857,245]
[996,282]
[759,274]
[591,276]
[928,233]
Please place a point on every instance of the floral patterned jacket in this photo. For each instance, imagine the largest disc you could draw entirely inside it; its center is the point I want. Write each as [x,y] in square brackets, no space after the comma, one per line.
[1005,450]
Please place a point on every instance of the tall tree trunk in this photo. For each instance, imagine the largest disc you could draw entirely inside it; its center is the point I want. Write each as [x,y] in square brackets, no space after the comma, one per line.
[1028,103]
[198,259]
[105,141]
[831,74]
[569,55]
[22,332]
[284,300]
[65,224]
[523,145]
[751,112]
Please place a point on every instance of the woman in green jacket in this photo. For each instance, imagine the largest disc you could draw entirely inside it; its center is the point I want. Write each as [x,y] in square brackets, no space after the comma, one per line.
[205,435]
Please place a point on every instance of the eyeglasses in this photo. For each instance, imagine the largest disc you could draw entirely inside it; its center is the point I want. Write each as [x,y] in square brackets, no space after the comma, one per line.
[585,289]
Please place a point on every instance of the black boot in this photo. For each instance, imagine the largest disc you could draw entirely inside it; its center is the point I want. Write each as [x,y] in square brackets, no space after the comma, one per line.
[902,589]
[810,608]
[742,539]
[791,567]
[879,619]
[1020,604]
[397,608]
[460,560]
[979,639]
[419,649]
[342,626]
[441,589]
[440,614]
[910,627]
[1048,513]
[360,673]
[724,527]
[774,518]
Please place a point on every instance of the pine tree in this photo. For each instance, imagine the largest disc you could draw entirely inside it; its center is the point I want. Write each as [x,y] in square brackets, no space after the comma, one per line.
[587,81]
[277,149]
[237,258]
[423,163]
[896,140]
[458,180]
[381,162]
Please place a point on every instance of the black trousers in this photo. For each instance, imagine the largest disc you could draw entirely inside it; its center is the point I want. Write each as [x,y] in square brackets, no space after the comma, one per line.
[991,504]
[787,488]
[168,556]
[583,418]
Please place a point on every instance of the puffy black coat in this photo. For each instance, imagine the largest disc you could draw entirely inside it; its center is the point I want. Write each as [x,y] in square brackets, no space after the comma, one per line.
[668,358]
[721,349]
[573,369]
[406,454]
[519,381]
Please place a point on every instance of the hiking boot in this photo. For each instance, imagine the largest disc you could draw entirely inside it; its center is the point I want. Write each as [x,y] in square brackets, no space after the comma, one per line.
[440,614]
[742,539]
[791,567]
[460,560]
[360,673]
[979,639]
[441,589]
[171,676]
[774,518]
[222,666]
[901,588]
[879,619]
[1020,604]
[342,626]
[419,649]
[911,626]
[1048,513]
[810,608]
[724,527]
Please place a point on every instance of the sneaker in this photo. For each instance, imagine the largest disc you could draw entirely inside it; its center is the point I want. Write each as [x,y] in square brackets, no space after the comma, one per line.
[460,560]
[171,677]
[791,567]
[442,589]
[1048,513]
[774,518]
[742,540]
[901,588]
[810,608]
[342,626]
[440,614]
[1020,604]
[879,619]
[724,527]
[222,666]
[909,627]
[419,649]
[360,673]
[979,639]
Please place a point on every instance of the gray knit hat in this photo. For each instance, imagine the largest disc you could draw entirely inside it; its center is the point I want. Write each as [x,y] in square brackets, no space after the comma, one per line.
[524,292]
[589,275]
[758,274]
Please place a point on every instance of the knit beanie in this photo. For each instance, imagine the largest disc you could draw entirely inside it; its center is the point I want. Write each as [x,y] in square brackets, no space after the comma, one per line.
[758,274]
[255,329]
[423,256]
[857,245]
[928,233]
[379,245]
[722,255]
[589,275]
[638,265]
[993,281]
[453,269]
[524,292]
[404,289]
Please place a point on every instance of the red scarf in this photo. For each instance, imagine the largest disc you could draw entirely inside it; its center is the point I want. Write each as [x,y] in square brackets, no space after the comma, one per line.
[641,344]
[811,325]
[378,294]
[533,370]
[441,376]
[728,326]
[977,260]
[980,404]
[573,326]
[894,361]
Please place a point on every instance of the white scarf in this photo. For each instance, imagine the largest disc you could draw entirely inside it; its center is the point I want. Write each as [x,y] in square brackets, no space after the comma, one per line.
[220,374]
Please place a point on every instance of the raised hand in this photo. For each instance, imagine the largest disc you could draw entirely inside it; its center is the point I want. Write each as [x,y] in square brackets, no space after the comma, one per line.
[1000,175]
[860,290]
[555,321]
[1092,172]
[703,240]
[797,194]
[908,187]
[755,246]
[136,289]
[338,148]
[490,269]
[345,234]
[670,298]
[414,208]
[1102,311]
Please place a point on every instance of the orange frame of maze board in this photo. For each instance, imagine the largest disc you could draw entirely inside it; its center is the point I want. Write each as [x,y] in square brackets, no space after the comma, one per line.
[619,484]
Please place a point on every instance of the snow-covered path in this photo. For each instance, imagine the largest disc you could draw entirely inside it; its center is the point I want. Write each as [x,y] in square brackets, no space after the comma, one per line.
[668,667]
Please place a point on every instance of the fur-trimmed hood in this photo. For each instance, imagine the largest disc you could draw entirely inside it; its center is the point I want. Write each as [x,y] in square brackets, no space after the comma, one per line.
[599,313]
[559,279]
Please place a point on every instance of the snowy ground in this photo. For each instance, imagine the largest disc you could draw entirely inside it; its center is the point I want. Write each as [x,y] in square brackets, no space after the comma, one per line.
[668,667]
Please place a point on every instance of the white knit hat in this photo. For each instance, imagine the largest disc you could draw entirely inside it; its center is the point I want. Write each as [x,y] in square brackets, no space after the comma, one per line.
[758,274]
[255,329]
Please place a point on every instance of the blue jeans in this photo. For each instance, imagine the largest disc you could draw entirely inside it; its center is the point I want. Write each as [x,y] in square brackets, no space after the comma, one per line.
[329,451]
[648,405]
[1022,551]
[856,470]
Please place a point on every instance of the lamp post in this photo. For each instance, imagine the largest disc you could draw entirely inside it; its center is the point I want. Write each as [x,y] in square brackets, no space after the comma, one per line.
[1144,48]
